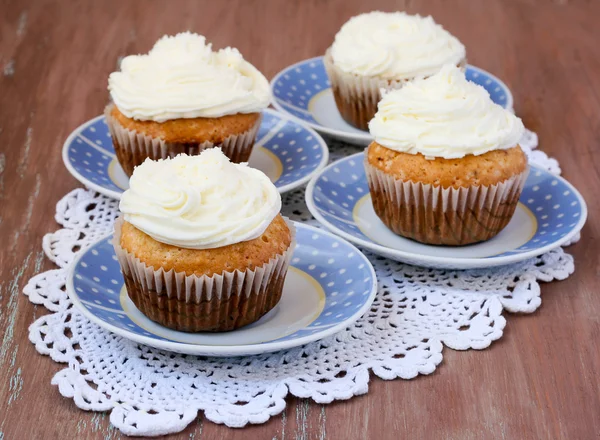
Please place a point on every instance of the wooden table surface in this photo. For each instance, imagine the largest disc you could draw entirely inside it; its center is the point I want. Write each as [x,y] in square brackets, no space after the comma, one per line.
[541,380]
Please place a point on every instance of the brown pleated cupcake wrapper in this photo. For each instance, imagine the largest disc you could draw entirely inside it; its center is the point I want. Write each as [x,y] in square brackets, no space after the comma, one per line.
[443,216]
[132,147]
[193,303]
[357,96]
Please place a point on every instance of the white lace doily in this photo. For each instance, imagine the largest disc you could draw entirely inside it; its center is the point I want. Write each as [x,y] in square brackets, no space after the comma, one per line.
[150,392]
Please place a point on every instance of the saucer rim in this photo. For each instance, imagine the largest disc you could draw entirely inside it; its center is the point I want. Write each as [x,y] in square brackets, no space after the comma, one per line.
[225,350]
[441,262]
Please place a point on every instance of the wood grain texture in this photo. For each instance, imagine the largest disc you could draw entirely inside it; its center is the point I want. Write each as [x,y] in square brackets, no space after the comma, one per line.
[541,380]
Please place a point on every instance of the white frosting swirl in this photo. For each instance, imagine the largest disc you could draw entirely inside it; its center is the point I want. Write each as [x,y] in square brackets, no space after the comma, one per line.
[200,202]
[444,116]
[394,46]
[181,77]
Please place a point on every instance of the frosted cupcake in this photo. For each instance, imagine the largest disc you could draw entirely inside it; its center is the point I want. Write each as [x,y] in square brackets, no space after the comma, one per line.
[445,166]
[183,97]
[382,50]
[201,242]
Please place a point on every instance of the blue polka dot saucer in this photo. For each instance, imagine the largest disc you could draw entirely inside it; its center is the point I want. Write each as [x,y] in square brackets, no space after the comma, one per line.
[550,212]
[303,92]
[329,285]
[289,153]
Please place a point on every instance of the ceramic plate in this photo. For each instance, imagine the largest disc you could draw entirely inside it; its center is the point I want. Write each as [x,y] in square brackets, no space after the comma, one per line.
[329,285]
[286,151]
[303,92]
[550,212]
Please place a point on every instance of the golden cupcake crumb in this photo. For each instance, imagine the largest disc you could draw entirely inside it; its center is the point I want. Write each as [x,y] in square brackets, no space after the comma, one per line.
[487,169]
[241,256]
[190,130]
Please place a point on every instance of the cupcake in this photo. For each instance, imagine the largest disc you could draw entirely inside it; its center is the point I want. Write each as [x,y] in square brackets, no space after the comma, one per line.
[445,166]
[182,97]
[201,242]
[382,50]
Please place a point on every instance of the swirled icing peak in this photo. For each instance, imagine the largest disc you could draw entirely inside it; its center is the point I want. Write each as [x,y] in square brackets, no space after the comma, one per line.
[394,46]
[181,77]
[445,116]
[200,202]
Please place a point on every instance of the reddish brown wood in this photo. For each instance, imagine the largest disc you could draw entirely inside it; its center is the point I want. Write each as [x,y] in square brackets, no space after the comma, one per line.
[541,380]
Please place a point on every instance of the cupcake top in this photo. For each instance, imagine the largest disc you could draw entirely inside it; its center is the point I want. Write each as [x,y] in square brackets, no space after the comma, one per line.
[182,77]
[200,202]
[444,116]
[394,46]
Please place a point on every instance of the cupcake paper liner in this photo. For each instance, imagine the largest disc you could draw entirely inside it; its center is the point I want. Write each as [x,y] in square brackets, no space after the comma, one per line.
[357,96]
[132,147]
[443,216]
[192,303]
